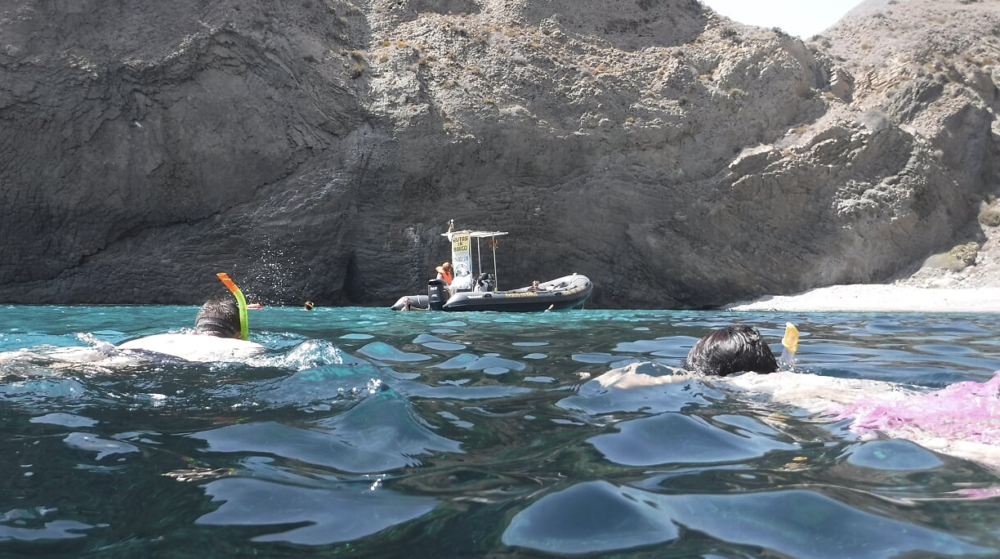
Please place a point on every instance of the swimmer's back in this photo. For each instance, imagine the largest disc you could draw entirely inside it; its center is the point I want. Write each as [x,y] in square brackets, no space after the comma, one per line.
[194,347]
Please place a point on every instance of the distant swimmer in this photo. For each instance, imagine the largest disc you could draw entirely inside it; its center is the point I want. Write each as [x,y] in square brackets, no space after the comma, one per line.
[309,306]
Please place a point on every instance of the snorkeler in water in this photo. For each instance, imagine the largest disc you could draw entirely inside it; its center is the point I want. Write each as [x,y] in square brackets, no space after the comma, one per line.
[220,332]
[950,420]
[733,349]
[219,317]
[218,335]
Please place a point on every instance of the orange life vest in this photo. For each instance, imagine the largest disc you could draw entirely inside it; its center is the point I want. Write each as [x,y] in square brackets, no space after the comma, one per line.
[445,275]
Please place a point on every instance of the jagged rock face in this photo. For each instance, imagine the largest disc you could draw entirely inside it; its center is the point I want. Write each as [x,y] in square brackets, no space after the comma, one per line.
[318,150]
[142,140]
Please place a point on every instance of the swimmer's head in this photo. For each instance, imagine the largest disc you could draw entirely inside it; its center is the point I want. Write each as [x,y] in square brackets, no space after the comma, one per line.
[308,306]
[733,349]
[219,317]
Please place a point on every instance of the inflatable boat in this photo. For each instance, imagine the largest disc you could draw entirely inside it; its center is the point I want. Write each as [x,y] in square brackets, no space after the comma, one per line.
[565,293]
[482,294]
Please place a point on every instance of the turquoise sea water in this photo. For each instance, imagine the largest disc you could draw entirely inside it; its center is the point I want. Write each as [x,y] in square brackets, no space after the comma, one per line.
[370,433]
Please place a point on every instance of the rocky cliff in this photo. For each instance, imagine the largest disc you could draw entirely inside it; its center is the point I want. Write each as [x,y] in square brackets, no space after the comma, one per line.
[317,149]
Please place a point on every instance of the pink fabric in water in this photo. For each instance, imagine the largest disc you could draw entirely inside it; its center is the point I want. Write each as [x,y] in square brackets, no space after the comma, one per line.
[968,411]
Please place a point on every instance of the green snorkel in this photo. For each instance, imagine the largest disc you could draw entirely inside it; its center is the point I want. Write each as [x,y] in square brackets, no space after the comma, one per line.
[242,302]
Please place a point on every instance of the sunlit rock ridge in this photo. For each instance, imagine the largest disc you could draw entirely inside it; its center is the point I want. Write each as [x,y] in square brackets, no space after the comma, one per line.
[317,149]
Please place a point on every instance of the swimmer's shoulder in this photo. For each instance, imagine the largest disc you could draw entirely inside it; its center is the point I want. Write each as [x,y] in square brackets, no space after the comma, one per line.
[194,347]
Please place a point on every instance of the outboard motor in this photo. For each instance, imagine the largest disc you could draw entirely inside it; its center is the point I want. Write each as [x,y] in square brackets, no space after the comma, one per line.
[437,294]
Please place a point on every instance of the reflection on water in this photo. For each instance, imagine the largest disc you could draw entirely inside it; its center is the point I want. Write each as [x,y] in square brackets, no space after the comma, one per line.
[599,516]
[373,433]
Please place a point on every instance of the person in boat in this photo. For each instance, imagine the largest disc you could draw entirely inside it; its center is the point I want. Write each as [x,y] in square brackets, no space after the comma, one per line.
[536,287]
[217,336]
[445,273]
[484,283]
[733,349]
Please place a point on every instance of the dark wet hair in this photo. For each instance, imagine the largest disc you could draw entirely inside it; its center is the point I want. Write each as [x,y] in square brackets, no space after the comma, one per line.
[729,350]
[220,317]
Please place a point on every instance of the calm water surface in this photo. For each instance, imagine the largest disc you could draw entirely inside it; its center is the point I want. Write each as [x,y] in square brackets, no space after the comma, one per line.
[370,433]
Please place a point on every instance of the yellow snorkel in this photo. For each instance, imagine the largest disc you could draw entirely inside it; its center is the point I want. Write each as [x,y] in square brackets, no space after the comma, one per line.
[241,301]
[791,343]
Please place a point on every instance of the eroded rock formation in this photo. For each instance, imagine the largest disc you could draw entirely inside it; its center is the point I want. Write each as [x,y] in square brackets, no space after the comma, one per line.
[317,149]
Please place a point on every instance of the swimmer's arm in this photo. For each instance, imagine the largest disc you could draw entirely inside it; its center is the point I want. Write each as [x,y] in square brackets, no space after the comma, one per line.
[626,379]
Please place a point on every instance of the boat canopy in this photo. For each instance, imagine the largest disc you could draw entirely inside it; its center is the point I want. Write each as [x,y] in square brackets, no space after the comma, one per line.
[474,234]
[461,256]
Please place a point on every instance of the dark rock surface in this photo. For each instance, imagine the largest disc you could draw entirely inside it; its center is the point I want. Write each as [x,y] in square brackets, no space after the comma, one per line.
[317,149]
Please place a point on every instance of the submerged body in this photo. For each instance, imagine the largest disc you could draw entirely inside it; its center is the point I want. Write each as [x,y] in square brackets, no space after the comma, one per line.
[194,347]
[961,420]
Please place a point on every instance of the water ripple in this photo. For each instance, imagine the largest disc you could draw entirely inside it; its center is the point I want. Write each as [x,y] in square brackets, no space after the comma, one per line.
[601,517]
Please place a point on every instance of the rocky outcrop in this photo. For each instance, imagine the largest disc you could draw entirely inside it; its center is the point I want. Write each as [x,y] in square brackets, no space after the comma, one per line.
[317,150]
